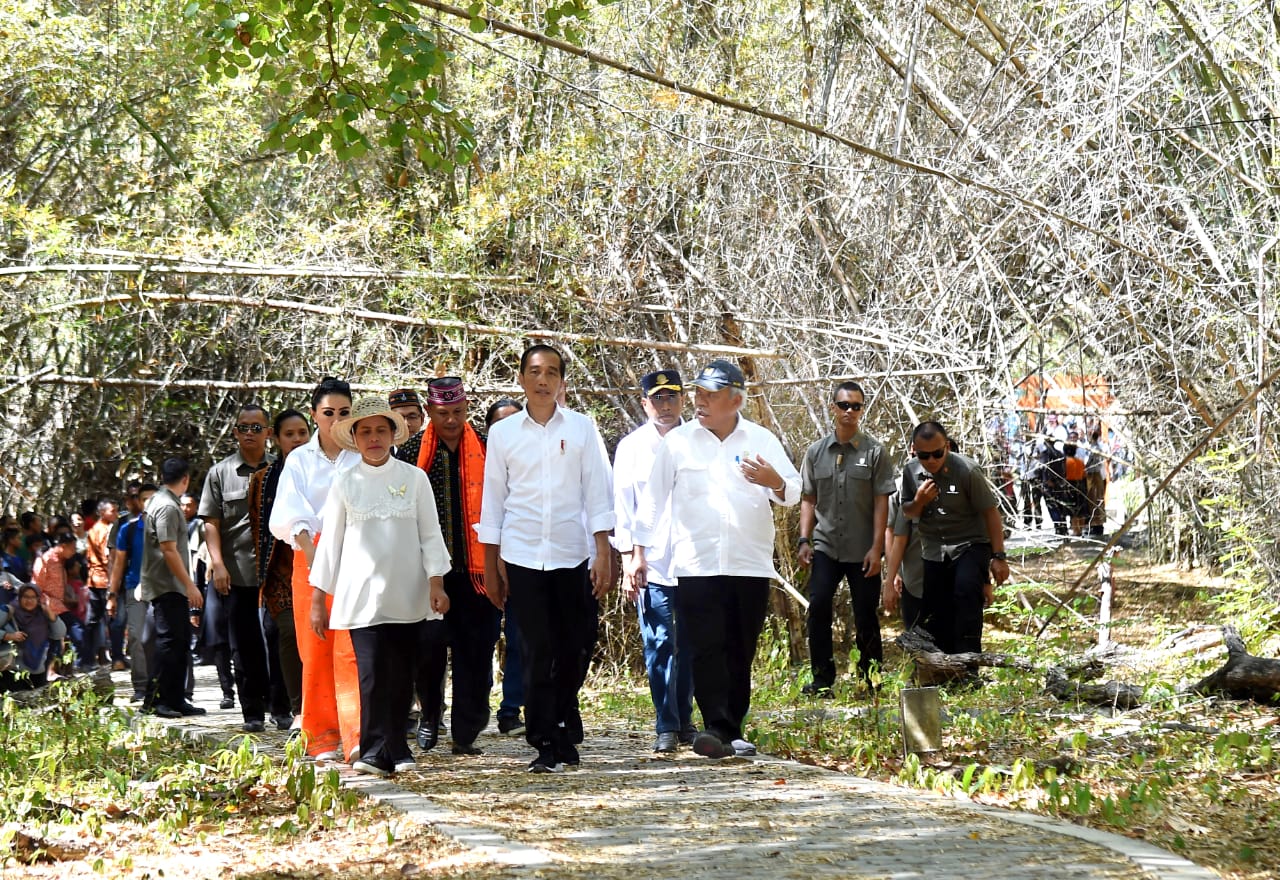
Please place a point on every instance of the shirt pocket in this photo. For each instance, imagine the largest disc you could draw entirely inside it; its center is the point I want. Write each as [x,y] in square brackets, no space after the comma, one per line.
[824,477]
[859,472]
[234,502]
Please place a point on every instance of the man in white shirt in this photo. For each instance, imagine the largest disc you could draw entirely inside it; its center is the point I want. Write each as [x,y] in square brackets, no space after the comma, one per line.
[666,658]
[720,474]
[547,498]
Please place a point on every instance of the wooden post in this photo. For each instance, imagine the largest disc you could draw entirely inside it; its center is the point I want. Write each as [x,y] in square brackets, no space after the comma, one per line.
[1104,608]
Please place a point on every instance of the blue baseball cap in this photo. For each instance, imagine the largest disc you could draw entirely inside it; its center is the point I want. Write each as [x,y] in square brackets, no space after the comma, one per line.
[661,380]
[720,374]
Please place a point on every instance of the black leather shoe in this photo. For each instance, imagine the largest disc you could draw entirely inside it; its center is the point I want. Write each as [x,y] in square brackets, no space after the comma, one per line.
[227,703]
[163,711]
[188,709]
[688,734]
[428,735]
[253,727]
[467,749]
[667,741]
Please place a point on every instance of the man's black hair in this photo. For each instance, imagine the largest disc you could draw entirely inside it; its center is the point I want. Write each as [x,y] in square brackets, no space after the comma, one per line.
[929,430]
[147,487]
[173,470]
[26,518]
[284,416]
[538,349]
[253,408]
[329,385]
[847,386]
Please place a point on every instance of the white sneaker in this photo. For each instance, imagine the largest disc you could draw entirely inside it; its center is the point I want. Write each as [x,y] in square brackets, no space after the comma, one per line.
[742,748]
[406,764]
[328,757]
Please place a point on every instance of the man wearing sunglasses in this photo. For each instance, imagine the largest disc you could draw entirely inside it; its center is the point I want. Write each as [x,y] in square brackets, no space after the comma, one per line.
[962,537]
[228,536]
[846,481]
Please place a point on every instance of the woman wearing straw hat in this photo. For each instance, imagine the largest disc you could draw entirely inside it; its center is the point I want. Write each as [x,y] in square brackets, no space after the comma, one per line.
[383,560]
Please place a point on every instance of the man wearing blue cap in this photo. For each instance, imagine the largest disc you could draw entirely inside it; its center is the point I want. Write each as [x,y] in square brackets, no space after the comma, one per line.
[719,474]
[666,656]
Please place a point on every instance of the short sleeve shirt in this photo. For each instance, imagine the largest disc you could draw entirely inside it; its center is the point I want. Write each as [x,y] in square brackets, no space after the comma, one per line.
[912,567]
[226,499]
[954,520]
[164,522]
[844,479]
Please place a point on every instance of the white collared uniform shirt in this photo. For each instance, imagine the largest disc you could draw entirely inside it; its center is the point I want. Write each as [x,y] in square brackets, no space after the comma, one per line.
[547,490]
[304,485]
[632,464]
[720,523]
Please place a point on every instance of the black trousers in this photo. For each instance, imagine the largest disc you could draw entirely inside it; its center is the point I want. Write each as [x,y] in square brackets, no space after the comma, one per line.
[94,626]
[558,624]
[864,592]
[281,703]
[953,599]
[248,651]
[386,689]
[173,648]
[724,616]
[912,609]
[468,632]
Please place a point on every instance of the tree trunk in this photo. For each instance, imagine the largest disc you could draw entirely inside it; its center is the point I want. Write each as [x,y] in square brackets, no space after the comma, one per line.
[1244,676]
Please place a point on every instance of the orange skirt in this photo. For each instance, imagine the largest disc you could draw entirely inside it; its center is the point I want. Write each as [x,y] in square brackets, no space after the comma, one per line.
[330,681]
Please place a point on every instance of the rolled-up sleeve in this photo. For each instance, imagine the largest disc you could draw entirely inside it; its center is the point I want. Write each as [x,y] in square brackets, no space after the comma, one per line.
[597,484]
[653,500]
[493,502]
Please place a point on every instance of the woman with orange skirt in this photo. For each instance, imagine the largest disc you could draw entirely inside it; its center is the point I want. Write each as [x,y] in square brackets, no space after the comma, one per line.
[330,683]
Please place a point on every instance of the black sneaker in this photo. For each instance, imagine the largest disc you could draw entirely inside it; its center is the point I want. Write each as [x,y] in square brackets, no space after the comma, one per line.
[511,726]
[466,749]
[227,703]
[253,727]
[544,763]
[711,746]
[188,709]
[822,691]
[567,755]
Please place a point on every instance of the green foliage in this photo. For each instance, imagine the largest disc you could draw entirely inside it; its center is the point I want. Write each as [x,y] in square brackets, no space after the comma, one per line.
[345,69]
[80,762]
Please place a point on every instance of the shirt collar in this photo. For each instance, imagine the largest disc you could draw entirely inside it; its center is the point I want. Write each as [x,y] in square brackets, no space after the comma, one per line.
[854,442]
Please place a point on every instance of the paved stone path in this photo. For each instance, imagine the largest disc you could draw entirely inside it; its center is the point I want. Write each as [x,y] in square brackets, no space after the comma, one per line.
[629,813]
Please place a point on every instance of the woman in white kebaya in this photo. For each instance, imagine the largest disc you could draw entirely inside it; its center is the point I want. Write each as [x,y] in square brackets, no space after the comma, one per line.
[383,560]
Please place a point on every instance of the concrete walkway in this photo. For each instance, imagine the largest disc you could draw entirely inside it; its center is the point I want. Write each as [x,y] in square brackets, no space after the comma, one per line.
[629,813]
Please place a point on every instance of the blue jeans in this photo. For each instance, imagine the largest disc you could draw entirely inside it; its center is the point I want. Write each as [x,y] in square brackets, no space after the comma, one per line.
[512,669]
[670,670]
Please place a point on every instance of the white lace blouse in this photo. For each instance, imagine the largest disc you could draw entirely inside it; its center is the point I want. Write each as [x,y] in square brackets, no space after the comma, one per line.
[380,544]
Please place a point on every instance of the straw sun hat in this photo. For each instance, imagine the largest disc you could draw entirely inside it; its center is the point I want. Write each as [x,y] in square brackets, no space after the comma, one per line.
[366,408]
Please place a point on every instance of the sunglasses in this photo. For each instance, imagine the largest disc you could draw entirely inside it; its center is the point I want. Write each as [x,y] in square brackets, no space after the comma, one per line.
[925,456]
[846,405]
[250,429]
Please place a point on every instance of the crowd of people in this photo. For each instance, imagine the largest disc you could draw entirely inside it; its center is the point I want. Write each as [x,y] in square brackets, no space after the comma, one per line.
[389,541]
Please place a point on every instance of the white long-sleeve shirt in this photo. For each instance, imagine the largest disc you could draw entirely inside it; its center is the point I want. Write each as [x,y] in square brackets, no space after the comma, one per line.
[539,480]
[380,546]
[304,485]
[721,524]
[632,464]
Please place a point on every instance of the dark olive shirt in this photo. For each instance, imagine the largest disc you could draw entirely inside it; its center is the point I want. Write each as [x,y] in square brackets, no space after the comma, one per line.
[226,499]
[844,479]
[954,520]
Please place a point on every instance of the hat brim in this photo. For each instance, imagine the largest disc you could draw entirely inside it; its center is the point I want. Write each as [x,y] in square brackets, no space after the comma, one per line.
[656,388]
[712,384]
[344,430]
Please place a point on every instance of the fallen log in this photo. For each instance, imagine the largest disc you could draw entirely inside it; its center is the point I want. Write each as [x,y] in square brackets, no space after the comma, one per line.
[1111,693]
[933,666]
[1243,677]
[29,848]
[99,681]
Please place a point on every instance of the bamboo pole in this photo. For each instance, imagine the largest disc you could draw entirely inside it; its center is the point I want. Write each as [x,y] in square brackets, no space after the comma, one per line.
[151,297]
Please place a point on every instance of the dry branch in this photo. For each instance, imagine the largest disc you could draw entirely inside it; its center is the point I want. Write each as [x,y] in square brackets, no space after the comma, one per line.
[1111,693]
[937,667]
[149,298]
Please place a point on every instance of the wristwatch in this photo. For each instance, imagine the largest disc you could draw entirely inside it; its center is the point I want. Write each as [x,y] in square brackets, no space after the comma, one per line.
[1001,555]
[802,541]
